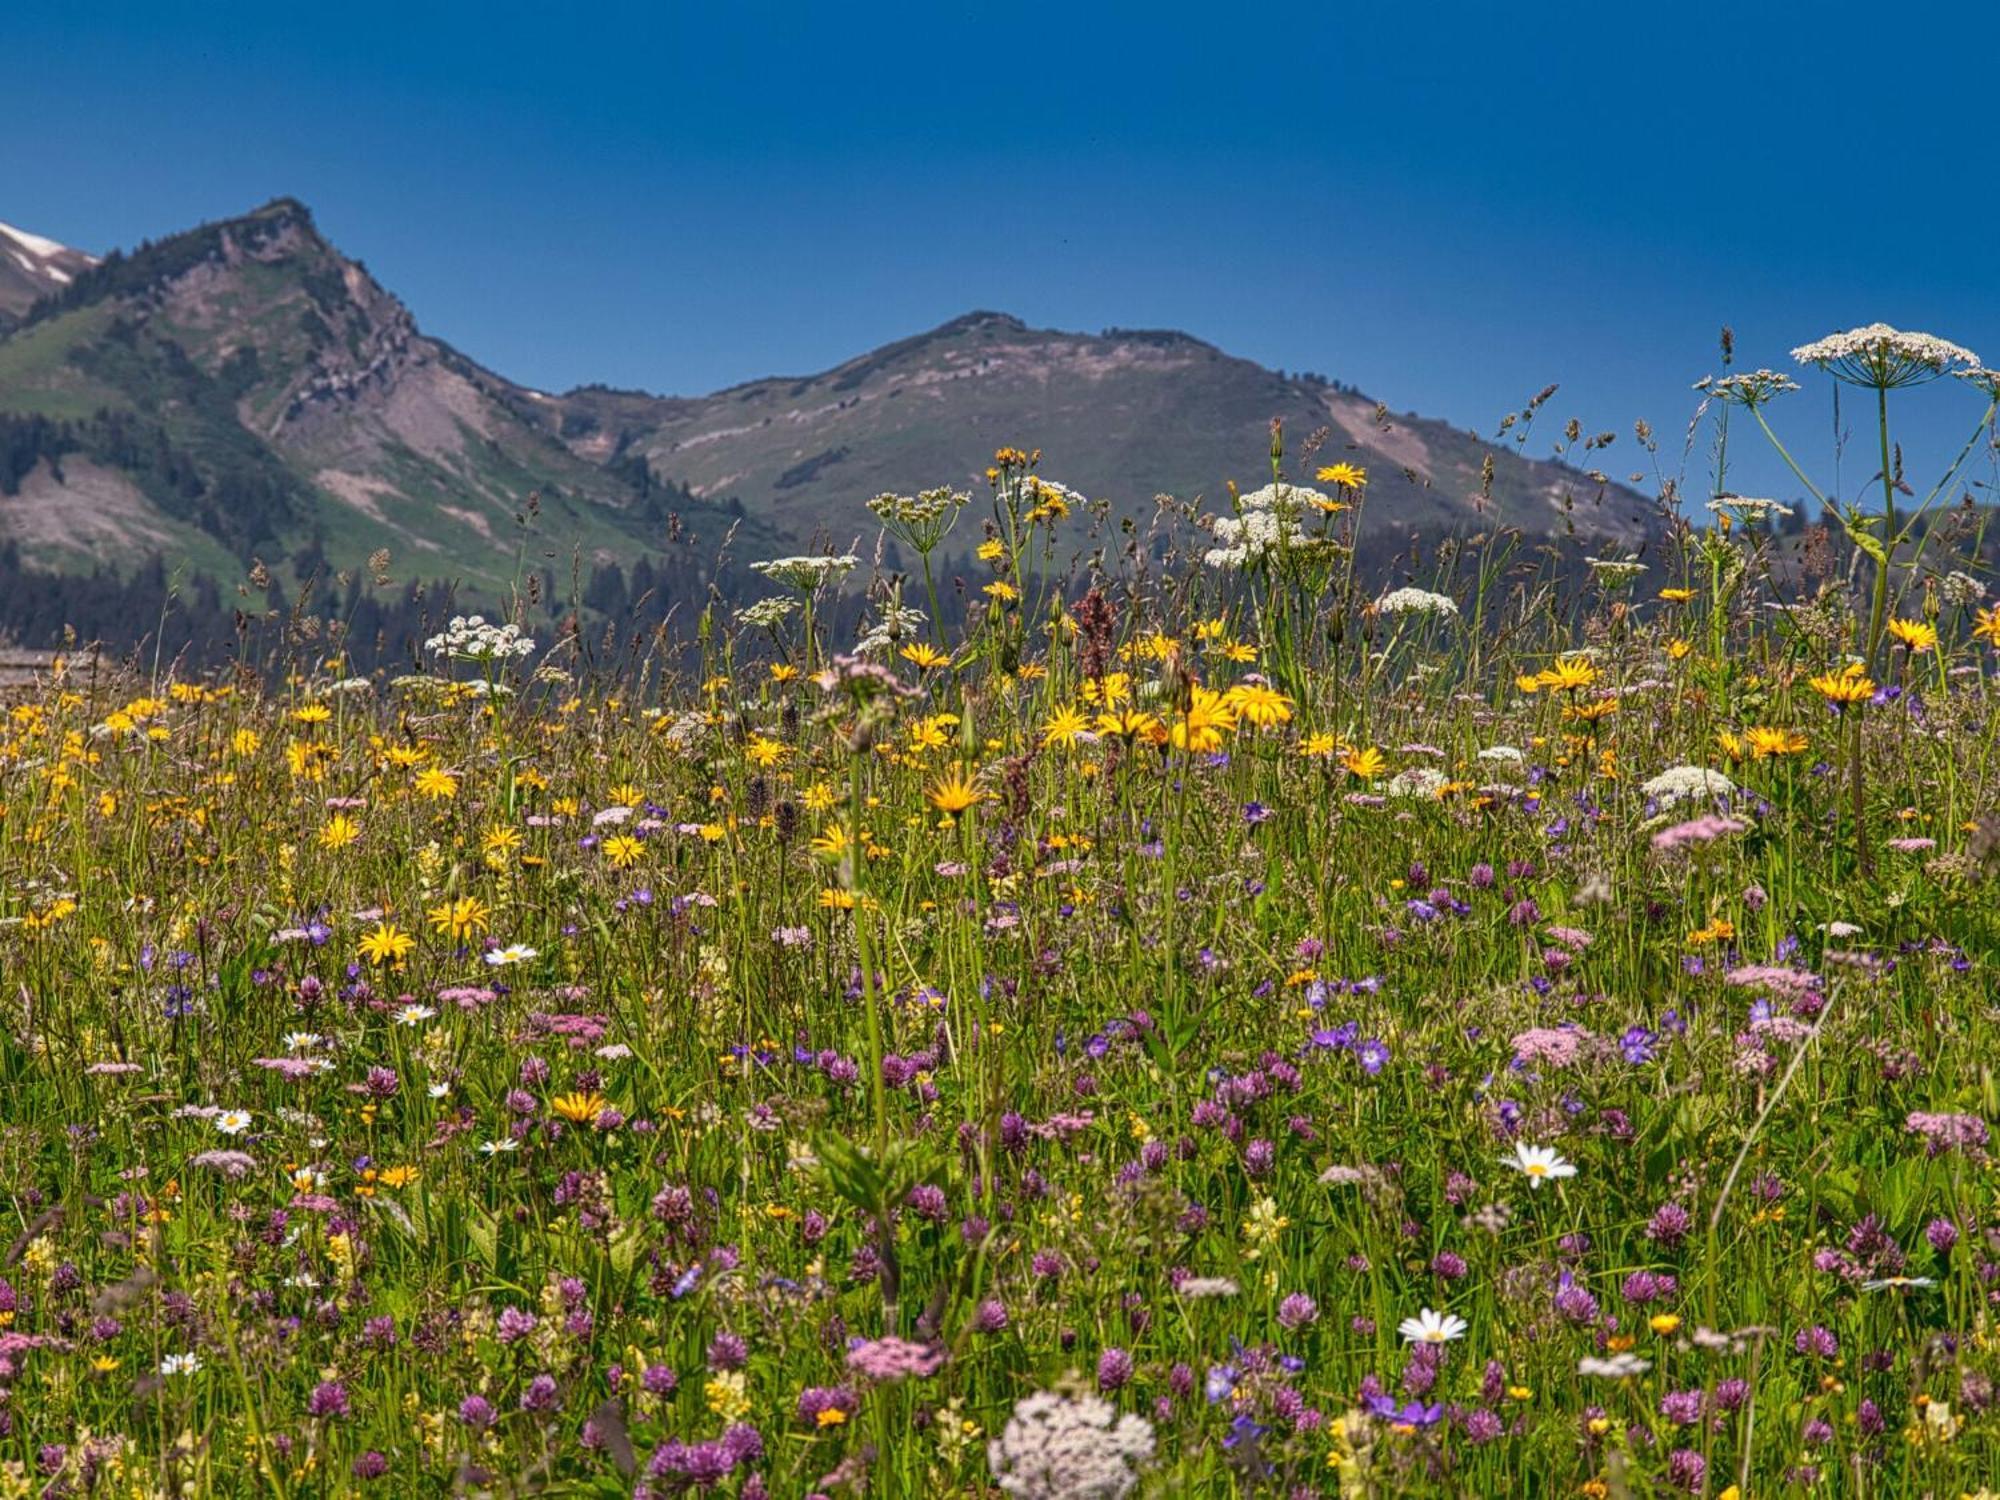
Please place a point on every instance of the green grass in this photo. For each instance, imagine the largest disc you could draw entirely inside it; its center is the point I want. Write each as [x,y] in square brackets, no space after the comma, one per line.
[1167,1014]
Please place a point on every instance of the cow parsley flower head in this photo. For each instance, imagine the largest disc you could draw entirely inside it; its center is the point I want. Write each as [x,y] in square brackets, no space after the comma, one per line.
[1677,783]
[1417,601]
[806,574]
[1752,388]
[1270,522]
[473,638]
[767,614]
[1069,1448]
[1747,508]
[1882,358]
[896,624]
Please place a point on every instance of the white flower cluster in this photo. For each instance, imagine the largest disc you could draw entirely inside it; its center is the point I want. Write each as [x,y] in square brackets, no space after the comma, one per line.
[1747,508]
[1069,1448]
[1418,781]
[898,623]
[1677,783]
[1416,601]
[1987,380]
[1614,572]
[471,638]
[767,614]
[1882,357]
[1752,388]
[1962,590]
[1268,522]
[807,574]
[919,509]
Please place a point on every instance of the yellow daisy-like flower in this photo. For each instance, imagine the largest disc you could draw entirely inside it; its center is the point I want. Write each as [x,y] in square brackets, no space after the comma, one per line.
[1368,765]
[954,795]
[340,831]
[579,1108]
[1569,674]
[386,943]
[312,713]
[1064,726]
[1765,742]
[1258,704]
[1918,635]
[1677,596]
[623,850]
[1347,476]
[466,917]
[1320,746]
[923,657]
[761,751]
[1844,688]
[436,784]
[1987,626]
[1202,728]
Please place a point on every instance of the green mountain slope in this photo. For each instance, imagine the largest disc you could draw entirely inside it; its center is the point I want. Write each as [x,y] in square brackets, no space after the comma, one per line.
[243,388]
[1122,416]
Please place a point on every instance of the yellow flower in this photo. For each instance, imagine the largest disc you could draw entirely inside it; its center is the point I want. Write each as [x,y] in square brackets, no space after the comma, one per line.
[761,751]
[1677,596]
[466,917]
[830,841]
[1200,730]
[579,1108]
[1347,476]
[954,795]
[991,552]
[1765,742]
[437,784]
[1568,674]
[830,1416]
[312,713]
[623,850]
[1366,764]
[1261,705]
[245,741]
[1845,688]
[1988,627]
[727,1397]
[1663,1323]
[340,831]
[386,943]
[1319,746]
[1064,726]
[1678,649]
[923,657]
[1001,591]
[1918,635]
[782,672]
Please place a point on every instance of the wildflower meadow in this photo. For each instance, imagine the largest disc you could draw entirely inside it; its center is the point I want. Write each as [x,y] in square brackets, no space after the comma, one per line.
[1210,1023]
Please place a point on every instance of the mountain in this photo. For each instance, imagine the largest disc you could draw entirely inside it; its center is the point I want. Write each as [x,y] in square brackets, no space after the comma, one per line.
[244,390]
[31,268]
[1122,416]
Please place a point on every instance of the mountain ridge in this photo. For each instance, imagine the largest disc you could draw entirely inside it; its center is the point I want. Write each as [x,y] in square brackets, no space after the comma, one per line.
[244,387]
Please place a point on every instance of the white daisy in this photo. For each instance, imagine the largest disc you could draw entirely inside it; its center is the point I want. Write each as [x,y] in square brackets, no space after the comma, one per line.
[415,1015]
[495,1148]
[1432,1327]
[1538,1163]
[233,1121]
[180,1364]
[514,953]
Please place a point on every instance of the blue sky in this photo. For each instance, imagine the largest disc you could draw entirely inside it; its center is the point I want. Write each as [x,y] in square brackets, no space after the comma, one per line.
[1450,206]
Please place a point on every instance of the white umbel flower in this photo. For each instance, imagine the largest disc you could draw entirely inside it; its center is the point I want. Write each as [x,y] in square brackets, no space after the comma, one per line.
[473,638]
[1418,602]
[1882,358]
[806,574]
[1678,783]
[1069,1448]
[1613,1367]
